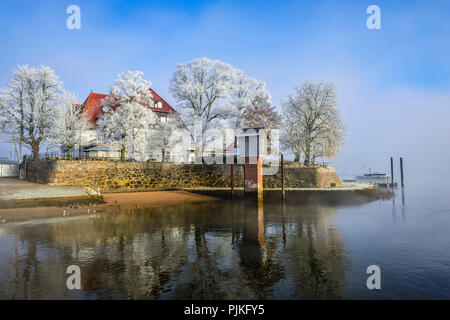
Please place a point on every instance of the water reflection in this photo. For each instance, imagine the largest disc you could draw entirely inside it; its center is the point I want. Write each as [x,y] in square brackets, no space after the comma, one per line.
[214,250]
[403,207]
[403,196]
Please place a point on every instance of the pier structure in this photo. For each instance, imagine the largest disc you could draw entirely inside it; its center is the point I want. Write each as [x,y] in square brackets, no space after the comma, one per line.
[252,147]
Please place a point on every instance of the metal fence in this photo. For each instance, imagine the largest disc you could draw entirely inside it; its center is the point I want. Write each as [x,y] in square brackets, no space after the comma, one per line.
[75,156]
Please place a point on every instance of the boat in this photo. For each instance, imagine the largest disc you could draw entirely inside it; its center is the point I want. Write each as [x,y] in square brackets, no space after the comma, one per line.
[380,179]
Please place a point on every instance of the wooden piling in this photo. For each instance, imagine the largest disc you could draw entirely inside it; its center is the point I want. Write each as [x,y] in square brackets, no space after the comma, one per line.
[401,171]
[232,181]
[392,172]
[282,177]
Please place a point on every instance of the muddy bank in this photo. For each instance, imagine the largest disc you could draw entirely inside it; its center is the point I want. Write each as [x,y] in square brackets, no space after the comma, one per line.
[110,201]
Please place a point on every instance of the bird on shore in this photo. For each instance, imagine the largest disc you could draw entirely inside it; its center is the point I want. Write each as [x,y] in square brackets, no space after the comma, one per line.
[116,205]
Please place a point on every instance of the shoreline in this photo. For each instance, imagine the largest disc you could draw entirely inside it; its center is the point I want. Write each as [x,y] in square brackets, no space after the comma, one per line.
[342,195]
[28,209]
[111,201]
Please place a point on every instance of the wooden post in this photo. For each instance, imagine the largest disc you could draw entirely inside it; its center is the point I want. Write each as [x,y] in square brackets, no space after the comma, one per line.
[283,221]
[282,177]
[401,171]
[259,170]
[232,181]
[392,172]
[253,178]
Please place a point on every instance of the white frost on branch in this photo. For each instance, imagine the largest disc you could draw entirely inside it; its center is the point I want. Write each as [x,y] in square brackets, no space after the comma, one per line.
[201,88]
[71,124]
[166,136]
[312,125]
[212,94]
[244,91]
[126,113]
[28,106]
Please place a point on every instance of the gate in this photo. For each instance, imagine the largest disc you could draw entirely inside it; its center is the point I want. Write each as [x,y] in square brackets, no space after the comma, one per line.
[9,170]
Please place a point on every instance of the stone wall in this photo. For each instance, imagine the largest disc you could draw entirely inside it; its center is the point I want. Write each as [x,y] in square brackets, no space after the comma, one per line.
[111,175]
[296,176]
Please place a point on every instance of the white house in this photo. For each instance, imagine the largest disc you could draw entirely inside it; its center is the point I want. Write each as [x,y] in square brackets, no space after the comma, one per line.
[91,139]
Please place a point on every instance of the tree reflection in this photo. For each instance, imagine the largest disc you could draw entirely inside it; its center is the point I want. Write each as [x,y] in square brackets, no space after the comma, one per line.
[213,250]
[257,261]
[316,253]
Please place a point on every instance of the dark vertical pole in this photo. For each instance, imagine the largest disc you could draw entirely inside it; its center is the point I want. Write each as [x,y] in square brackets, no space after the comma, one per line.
[282,176]
[283,221]
[401,171]
[392,172]
[232,181]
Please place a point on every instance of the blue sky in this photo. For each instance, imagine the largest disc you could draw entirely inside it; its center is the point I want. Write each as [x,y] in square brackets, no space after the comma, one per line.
[393,84]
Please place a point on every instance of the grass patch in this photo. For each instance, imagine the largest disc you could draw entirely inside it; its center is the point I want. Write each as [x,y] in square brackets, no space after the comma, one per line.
[50,202]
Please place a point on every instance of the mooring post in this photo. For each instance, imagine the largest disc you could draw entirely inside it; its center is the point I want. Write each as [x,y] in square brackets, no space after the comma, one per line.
[283,221]
[232,181]
[392,172]
[401,171]
[282,177]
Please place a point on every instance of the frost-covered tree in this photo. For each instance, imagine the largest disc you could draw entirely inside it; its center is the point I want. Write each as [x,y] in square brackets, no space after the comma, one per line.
[328,146]
[291,141]
[70,126]
[261,113]
[126,114]
[212,94]
[28,105]
[202,89]
[11,137]
[166,134]
[245,91]
[312,123]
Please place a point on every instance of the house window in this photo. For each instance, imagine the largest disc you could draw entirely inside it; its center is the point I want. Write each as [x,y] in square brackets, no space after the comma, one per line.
[167,156]
[159,104]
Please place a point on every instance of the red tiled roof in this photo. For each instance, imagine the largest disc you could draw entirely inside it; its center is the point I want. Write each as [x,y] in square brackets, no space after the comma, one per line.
[165,106]
[93,104]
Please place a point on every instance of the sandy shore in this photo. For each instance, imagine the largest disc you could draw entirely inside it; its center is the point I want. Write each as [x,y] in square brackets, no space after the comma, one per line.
[113,201]
[17,204]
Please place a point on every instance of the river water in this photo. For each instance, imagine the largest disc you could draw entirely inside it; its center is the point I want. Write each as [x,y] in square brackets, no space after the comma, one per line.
[238,250]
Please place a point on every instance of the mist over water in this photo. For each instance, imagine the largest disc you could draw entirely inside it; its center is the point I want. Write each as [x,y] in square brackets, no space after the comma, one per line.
[240,250]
